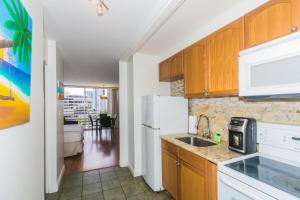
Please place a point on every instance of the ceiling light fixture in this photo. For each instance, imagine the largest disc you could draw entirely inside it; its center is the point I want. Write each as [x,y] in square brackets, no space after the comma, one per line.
[101,6]
[104,95]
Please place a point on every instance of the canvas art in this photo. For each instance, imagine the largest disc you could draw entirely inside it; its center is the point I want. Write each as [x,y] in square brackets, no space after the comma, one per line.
[15,63]
[60,90]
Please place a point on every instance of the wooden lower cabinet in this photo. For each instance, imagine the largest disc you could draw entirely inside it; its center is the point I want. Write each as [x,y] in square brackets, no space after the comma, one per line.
[169,173]
[192,183]
[212,178]
[187,176]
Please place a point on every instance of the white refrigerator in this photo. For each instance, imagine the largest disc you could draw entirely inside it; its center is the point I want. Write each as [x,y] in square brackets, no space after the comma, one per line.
[161,115]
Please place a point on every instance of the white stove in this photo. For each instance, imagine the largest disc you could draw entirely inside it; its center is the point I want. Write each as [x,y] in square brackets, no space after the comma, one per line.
[271,174]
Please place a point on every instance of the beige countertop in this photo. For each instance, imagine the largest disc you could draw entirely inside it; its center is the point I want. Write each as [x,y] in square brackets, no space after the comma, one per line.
[217,153]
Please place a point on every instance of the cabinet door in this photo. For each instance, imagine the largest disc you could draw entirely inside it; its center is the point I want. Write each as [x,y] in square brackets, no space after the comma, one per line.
[272,20]
[212,181]
[192,183]
[177,66]
[164,71]
[195,66]
[169,173]
[223,48]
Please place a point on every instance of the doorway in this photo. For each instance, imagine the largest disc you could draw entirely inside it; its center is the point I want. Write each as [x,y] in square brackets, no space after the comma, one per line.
[95,110]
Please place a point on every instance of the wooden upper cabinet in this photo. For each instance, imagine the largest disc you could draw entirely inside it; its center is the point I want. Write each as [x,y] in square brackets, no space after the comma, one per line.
[172,68]
[223,49]
[195,65]
[176,63]
[272,20]
[165,71]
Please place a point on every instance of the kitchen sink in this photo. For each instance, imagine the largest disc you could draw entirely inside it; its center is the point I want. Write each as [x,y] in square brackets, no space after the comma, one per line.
[194,141]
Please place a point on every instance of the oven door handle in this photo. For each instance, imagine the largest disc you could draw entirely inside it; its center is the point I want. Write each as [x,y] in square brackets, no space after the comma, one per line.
[240,189]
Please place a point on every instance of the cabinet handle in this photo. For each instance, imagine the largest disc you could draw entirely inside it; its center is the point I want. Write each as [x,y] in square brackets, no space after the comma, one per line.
[294,28]
[205,92]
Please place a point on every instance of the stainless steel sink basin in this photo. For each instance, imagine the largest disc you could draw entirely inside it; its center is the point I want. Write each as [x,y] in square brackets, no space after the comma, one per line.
[194,141]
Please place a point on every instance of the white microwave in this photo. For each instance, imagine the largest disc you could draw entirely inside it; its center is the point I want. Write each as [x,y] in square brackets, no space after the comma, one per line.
[271,69]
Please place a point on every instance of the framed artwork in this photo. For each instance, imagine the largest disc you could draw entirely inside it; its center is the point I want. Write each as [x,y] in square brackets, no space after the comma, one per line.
[15,63]
[60,90]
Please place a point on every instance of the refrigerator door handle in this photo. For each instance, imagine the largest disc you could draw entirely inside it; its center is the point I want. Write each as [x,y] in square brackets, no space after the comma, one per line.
[147,126]
[150,127]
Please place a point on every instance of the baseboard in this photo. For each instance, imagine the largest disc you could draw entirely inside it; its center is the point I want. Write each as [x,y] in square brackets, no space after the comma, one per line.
[61,175]
[137,173]
[123,164]
[131,169]
[55,184]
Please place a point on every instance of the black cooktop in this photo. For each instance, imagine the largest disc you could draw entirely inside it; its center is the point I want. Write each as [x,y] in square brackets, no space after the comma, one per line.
[277,174]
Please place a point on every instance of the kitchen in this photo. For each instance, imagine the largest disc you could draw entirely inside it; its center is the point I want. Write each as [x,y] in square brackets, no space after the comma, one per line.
[247,69]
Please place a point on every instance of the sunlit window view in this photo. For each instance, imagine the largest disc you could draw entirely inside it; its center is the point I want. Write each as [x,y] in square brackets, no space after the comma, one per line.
[82,102]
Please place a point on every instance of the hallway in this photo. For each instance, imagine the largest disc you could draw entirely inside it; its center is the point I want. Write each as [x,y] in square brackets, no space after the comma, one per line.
[99,152]
[113,183]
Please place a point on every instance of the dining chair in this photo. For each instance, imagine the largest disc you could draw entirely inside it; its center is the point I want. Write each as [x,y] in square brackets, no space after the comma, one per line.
[93,124]
[106,122]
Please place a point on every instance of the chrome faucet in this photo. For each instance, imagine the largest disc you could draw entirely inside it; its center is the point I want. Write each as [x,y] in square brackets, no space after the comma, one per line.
[206,131]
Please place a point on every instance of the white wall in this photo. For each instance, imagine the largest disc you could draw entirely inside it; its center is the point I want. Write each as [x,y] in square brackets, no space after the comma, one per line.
[54,118]
[145,82]
[126,114]
[22,147]
[60,117]
[130,115]
[138,77]
[123,113]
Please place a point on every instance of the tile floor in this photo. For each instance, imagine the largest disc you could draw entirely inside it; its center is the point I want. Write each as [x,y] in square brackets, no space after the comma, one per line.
[113,183]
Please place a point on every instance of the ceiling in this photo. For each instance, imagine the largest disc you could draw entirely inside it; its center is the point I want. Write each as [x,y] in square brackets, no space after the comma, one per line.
[92,45]
[188,19]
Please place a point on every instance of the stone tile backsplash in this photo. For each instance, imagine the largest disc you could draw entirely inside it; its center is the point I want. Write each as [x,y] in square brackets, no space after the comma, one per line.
[220,110]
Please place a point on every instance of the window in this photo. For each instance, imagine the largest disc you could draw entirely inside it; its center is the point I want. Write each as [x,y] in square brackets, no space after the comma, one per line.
[80,102]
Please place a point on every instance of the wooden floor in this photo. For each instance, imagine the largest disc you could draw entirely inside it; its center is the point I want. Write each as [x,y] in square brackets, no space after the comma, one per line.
[99,152]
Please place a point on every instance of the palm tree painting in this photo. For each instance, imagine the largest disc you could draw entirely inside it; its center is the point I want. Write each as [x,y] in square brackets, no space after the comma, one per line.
[15,63]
